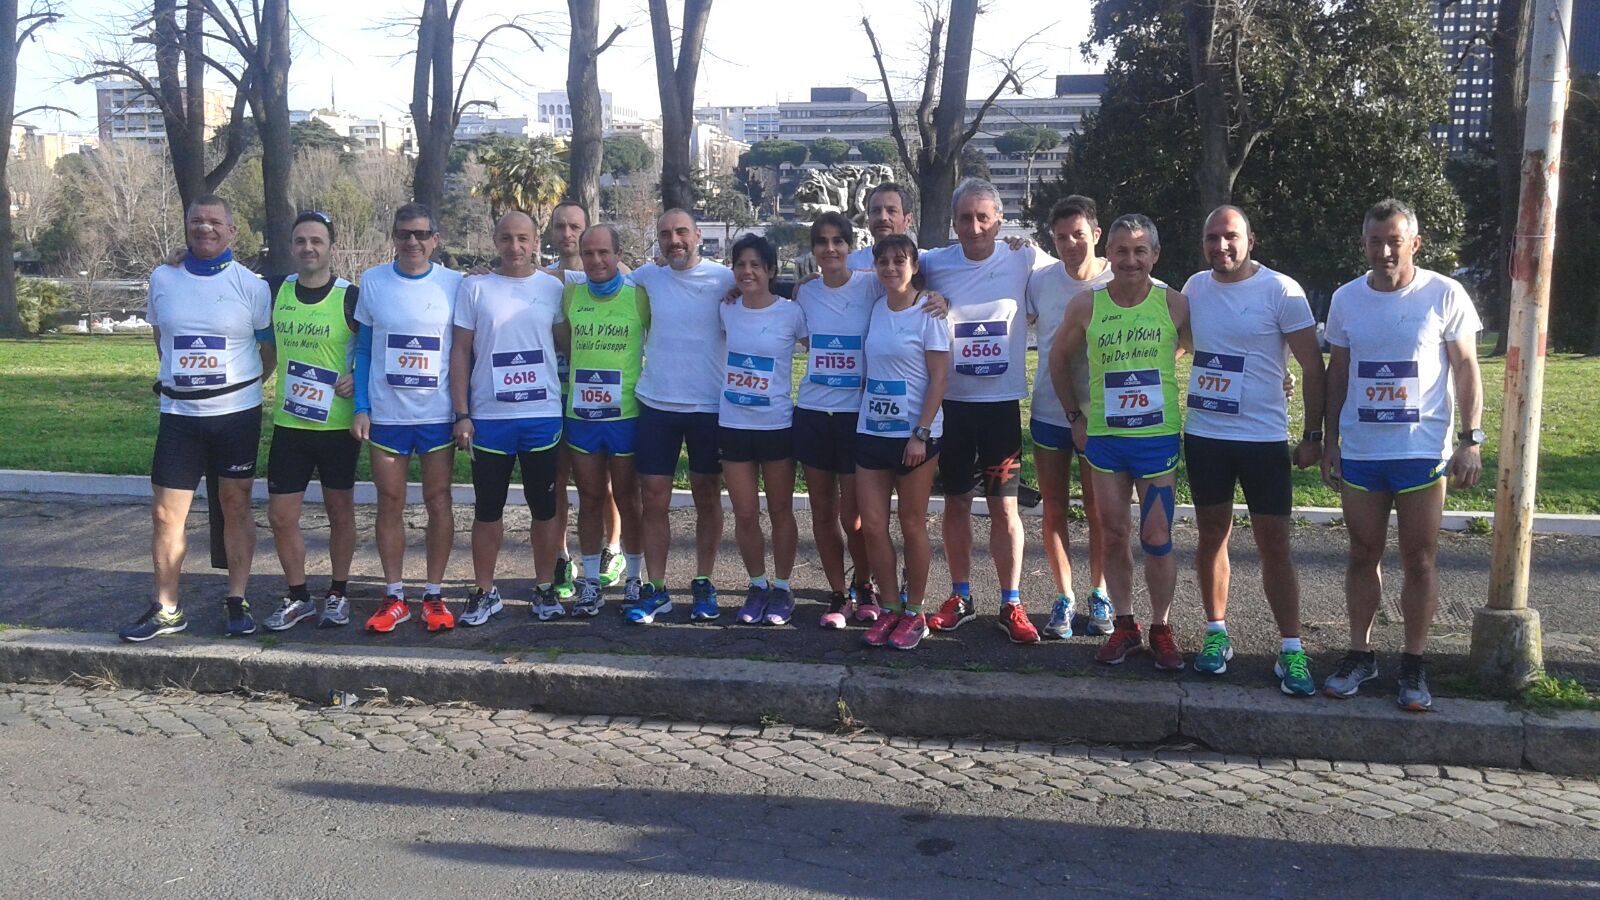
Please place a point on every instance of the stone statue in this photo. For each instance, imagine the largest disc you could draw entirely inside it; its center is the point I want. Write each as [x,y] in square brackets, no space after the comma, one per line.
[841,189]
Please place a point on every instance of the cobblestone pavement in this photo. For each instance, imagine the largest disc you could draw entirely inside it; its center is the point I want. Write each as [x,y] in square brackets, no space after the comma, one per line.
[1481,798]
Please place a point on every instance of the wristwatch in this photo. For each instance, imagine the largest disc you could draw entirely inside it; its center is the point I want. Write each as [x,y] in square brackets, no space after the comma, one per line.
[1308,436]
[1073,416]
[922,434]
[1473,436]
[461,416]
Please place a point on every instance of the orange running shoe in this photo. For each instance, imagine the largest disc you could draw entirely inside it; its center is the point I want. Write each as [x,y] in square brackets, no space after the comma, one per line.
[956,612]
[393,612]
[435,614]
[1014,622]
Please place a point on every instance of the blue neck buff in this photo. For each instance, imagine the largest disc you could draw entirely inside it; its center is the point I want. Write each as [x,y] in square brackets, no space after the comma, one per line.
[203,267]
[422,274]
[608,287]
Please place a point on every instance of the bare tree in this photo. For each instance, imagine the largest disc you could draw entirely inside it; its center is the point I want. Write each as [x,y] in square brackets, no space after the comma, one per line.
[585,147]
[15,30]
[931,156]
[675,82]
[130,207]
[36,193]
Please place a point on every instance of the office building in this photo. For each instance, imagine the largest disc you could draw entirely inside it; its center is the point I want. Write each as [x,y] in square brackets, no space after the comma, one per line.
[125,111]
[742,123]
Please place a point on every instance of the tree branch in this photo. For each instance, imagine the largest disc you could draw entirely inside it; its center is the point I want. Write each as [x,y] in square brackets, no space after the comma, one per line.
[44,18]
[112,68]
[930,76]
[977,120]
[461,83]
[895,130]
[616,32]
[235,146]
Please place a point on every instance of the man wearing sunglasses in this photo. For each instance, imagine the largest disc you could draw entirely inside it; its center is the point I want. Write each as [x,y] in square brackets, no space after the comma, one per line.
[403,408]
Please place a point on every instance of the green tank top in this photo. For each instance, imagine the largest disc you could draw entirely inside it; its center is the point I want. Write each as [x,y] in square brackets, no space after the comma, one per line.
[313,342]
[607,351]
[1132,389]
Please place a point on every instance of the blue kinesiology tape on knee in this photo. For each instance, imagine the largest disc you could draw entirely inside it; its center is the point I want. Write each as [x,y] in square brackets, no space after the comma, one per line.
[1157,494]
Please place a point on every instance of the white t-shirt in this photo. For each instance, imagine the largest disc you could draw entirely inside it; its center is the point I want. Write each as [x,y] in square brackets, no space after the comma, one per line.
[836,363]
[897,370]
[410,319]
[860,258]
[1049,292]
[757,369]
[683,352]
[1240,354]
[988,324]
[1400,403]
[514,373]
[208,326]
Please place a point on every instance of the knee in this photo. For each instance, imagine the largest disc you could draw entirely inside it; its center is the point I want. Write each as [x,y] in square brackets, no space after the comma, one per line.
[912,521]
[1418,562]
[285,520]
[437,501]
[1365,554]
[165,518]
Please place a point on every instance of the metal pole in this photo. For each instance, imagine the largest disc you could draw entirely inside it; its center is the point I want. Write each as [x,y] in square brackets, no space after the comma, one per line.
[1505,641]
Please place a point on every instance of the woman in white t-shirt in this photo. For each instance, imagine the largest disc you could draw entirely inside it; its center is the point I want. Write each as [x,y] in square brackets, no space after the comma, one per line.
[908,365]
[754,426]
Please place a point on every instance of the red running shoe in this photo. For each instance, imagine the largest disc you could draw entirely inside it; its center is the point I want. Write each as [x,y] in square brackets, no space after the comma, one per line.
[1124,642]
[435,614]
[1165,648]
[878,632]
[393,612]
[1014,622]
[956,612]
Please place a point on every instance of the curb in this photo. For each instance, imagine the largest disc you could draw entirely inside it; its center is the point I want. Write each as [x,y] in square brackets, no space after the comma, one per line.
[1225,718]
[137,487]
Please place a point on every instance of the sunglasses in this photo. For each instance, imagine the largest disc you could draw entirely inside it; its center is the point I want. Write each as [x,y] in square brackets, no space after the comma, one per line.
[417,234]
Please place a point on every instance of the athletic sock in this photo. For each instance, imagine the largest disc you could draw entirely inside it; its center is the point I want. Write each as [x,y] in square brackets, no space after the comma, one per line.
[1217,625]
[432,588]
[591,565]
[299,594]
[758,581]
[614,548]
[1127,622]
[635,564]
[913,609]
[396,589]
[1011,597]
[963,588]
[338,587]
[659,584]
[1292,645]
[780,584]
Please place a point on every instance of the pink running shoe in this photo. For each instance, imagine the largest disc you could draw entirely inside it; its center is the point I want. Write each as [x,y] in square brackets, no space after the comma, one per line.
[878,634]
[909,631]
[867,608]
[839,608]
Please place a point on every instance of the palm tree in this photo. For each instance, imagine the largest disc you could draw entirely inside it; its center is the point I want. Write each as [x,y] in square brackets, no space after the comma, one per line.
[529,176]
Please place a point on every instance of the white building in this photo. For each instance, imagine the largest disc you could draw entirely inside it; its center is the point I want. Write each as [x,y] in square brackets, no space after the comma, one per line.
[125,111]
[742,123]
[473,126]
[714,151]
[555,110]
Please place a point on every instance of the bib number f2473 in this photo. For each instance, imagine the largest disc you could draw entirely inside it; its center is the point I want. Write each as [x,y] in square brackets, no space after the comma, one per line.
[1133,399]
[982,348]
[308,391]
[413,360]
[597,394]
[887,413]
[1387,393]
[516,376]
[1216,383]
[836,360]
[199,360]
[749,380]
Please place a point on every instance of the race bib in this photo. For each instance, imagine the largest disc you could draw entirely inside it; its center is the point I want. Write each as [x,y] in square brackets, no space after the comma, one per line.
[597,394]
[413,360]
[308,391]
[516,376]
[1216,383]
[886,408]
[749,380]
[197,360]
[836,360]
[1133,399]
[982,348]
[1387,393]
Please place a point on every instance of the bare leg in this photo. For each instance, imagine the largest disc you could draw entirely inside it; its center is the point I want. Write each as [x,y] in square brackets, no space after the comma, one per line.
[1117,529]
[1005,541]
[1155,530]
[341,509]
[914,489]
[1366,518]
[777,481]
[437,469]
[957,537]
[389,477]
[1278,579]
[655,495]
[1055,488]
[625,496]
[850,519]
[169,513]
[873,489]
[238,531]
[827,529]
[1097,541]
[1211,565]
[707,492]
[591,475]
[1420,512]
[745,499]
[283,514]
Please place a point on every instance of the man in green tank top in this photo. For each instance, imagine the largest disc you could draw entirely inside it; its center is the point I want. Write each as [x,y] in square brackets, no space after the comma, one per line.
[313,324]
[1133,328]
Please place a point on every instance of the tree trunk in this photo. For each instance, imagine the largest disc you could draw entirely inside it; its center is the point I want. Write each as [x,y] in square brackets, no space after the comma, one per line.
[585,149]
[675,82]
[181,73]
[1509,46]
[433,110]
[10,319]
[1214,175]
[937,179]
[272,121]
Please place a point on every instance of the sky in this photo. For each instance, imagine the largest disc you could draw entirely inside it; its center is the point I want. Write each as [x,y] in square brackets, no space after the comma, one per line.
[756,52]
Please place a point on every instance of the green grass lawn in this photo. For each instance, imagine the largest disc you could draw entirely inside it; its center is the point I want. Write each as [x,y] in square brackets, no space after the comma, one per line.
[82,403]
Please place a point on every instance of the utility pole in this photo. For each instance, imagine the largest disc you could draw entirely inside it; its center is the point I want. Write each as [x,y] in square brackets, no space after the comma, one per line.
[1507,652]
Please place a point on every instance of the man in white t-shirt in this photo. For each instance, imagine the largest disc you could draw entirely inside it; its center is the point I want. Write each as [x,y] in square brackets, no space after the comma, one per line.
[679,393]
[1246,319]
[986,282]
[888,212]
[1403,340]
[212,324]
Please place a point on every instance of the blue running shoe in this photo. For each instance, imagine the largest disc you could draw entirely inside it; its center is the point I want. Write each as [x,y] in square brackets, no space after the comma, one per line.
[240,622]
[651,603]
[755,603]
[1061,619]
[1100,613]
[156,621]
[705,607]
[780,607]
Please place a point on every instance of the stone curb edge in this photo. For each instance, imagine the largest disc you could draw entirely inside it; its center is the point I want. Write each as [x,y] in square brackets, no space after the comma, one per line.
[28,481]
[1035,708]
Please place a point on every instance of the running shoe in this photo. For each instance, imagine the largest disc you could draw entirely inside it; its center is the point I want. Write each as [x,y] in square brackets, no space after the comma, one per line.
[705,607]
[1101,613]
[1214,653]
[632,590]
[1414,695]
[868,609]
[956,612]
[1294,673]
[1061,619]
[435,615]
[156,621]
[909,630]
[612,567]
[562,587]
[839,609]
[1014,622]
[652,604]
[240,622]
[544,606]
[780,606]
[878,633]
[335,610]
[1165,648]
[589,601]
[1357,668]
[481,607]
[1124,642]
[290,612]
[391,614]
[755,603]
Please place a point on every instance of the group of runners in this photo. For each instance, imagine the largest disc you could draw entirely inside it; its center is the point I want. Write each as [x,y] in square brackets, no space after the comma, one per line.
[914,364]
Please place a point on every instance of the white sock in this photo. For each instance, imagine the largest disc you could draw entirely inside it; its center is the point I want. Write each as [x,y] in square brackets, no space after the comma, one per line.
[432,588]
[1218,625]
[635,564]
[614,547]
[591,565]
[1291,645]
[395,589]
